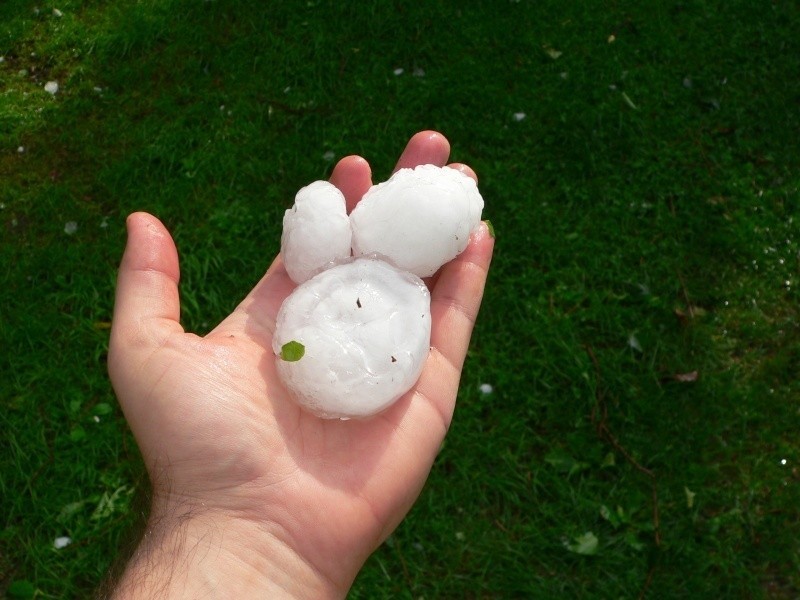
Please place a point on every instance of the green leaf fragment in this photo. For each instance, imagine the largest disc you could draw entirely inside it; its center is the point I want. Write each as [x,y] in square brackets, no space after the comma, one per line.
[564,463]
[103,409]
[586,544]
[21,589]
[690,495]
[292,351]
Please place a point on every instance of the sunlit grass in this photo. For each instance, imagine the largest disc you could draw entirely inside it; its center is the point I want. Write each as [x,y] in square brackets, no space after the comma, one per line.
[640,238]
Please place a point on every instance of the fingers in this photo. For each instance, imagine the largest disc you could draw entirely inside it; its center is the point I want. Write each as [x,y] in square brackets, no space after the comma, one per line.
[147,305]
[465,169]
[353,176]
[424,148]
[456,298]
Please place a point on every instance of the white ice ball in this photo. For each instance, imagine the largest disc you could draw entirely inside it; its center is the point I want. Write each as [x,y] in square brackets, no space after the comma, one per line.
[419,219]
[316,231]
[365,329]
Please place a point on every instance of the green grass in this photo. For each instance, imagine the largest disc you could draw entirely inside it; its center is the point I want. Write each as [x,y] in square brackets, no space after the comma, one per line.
[646,214]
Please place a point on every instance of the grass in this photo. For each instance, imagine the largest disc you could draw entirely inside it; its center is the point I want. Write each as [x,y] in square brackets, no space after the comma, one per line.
[645,210]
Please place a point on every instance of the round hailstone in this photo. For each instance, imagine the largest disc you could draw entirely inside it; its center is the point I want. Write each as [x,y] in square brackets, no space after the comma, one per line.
[353,339]
[316,231]
[419,219]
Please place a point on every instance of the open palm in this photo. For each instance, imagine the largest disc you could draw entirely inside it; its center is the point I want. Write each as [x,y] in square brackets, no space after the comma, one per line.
[220,435]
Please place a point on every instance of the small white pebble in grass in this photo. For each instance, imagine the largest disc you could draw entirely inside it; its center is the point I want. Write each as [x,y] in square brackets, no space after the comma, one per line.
[61,542]
[460,536]
[328,156]
[96,419]
[51,87]
[519,116]
[70,227]
[486,388]
[57,13]
[398,71]
[633,342]
[21,150]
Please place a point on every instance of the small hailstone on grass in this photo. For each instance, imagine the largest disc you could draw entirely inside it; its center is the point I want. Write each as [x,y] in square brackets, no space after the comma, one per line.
[419,219]
[21,150]
[353,339]
[486,388]
[316,231]
[70,227]
[519,116]
[51,87]
[61,542]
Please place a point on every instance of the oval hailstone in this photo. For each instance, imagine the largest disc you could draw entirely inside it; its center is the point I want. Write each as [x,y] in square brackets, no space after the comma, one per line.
[316,231]
[419,219]
[365,330]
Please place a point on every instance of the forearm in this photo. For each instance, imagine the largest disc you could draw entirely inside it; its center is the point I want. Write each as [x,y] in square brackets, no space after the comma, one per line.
[192,554]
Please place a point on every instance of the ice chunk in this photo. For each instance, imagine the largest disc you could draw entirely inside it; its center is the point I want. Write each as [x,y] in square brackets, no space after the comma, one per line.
[419,219]
[316,231]
[365,329]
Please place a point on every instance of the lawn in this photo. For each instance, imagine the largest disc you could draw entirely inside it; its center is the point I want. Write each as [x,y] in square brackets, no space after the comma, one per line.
[640,163]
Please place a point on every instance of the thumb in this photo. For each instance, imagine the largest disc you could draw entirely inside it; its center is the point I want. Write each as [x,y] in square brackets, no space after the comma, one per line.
[147,305]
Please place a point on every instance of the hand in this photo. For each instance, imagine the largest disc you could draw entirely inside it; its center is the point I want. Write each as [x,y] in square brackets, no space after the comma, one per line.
[250,491]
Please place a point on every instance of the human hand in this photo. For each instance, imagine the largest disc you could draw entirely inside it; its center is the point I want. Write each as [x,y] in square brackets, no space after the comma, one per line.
[252,493]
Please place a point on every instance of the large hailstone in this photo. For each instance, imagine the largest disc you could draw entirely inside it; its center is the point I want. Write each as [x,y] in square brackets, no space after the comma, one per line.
[419,219]
[354,338]
[316,231]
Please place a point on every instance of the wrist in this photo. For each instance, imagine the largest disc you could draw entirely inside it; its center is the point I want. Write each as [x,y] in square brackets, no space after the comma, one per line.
[188,551]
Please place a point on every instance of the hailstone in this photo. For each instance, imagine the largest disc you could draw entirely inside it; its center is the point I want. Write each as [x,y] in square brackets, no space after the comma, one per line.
[316,231]
[419,219]
[363,330]
[353,337]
